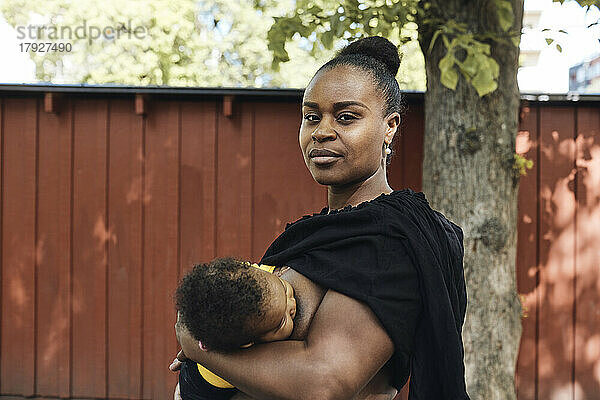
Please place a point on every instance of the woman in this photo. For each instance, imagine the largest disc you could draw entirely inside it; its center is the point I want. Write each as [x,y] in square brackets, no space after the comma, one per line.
[377,274]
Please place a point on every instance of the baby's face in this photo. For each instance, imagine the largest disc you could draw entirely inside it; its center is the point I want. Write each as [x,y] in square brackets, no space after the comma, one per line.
[278,322]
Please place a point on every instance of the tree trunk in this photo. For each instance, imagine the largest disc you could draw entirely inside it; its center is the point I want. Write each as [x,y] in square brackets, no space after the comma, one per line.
[468,175]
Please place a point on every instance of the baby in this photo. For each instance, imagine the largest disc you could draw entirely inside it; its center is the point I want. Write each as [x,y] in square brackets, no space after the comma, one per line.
[228,304]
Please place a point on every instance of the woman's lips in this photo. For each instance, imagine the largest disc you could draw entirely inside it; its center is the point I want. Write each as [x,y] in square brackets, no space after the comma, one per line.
[323,160]
[323,156]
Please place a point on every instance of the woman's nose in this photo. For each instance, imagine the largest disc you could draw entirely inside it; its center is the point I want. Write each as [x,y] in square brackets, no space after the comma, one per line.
[323,133]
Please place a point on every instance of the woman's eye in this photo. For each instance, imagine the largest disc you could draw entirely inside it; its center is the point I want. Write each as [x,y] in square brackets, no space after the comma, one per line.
[311,117]
[346,117]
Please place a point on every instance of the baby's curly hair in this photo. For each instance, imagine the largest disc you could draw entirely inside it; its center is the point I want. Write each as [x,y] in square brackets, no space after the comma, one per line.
[218,300]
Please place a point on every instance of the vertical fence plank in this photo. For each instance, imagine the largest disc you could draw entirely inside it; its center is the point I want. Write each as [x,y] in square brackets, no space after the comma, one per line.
[124,251]
[413,149]
[527,257]
[18,247]
[587,324]
[198,140]
[54,254]
[89,249]
[406,168]
[160,247]
[557,241]
[234,181]
[284,189]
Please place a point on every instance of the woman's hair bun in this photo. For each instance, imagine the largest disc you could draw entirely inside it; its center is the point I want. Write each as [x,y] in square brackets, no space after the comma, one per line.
[377,47]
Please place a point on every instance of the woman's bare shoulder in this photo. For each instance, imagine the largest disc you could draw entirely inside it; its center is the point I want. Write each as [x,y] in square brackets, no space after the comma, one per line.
[308,297]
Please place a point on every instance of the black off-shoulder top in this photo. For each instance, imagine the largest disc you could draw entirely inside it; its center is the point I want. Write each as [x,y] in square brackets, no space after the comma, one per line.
[404,260]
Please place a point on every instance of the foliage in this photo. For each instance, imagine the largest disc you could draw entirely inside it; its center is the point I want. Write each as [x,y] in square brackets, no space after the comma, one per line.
[582,3]
[466,52]
[521,165]
[478,67]
[524,306]
[327,19]
[188,43]
[220,43]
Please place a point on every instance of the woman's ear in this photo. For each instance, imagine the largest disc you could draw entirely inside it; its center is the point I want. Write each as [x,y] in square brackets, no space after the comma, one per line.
[245,346]
[393,124]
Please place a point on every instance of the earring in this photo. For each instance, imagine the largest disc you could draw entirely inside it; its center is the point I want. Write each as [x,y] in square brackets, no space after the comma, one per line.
[387,149]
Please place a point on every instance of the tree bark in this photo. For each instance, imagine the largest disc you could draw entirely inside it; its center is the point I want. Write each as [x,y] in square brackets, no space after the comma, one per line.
[468,176]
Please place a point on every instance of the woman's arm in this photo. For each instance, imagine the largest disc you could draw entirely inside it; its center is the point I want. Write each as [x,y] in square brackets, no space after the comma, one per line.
[345,347]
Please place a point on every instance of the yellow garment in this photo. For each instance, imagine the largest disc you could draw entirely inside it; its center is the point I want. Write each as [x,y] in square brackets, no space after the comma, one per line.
[213,379]
[268,268]
[208,376]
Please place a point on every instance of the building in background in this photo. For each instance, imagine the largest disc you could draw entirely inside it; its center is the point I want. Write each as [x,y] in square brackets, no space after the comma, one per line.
[555,37]
[529,55]
[585,76]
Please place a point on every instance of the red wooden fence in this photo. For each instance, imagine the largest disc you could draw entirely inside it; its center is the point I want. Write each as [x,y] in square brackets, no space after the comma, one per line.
[106,201]
[558,256]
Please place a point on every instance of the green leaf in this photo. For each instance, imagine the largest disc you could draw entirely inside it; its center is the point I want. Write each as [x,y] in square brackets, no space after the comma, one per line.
[327,39]
[449,78]
[447,61]
[389,14]
[488,64]
[281,54]
[335,23]
[484,82]
[559,48]
[448,74]
[341,27]
[505,14]
[521,164]
[549,41]
[470,65]
[314,10]
[494,67]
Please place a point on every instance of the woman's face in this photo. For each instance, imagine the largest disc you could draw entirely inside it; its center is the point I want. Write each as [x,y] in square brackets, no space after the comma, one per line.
[343,129]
